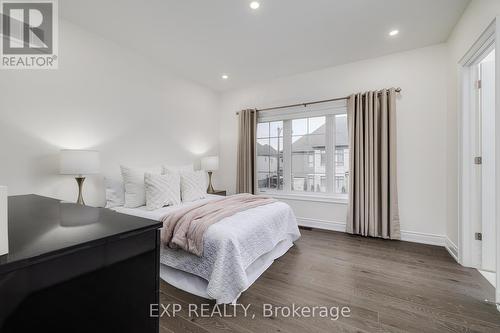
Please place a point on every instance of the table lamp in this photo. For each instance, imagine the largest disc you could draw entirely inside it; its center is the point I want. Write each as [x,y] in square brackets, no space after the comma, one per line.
[210,164]
[79,163]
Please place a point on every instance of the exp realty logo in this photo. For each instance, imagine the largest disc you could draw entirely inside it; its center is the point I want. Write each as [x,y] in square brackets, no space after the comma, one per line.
[29,32]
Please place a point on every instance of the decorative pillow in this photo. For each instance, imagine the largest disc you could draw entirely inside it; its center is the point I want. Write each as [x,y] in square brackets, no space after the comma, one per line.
[162,190]
[193,185]
[133,181]
[115,193]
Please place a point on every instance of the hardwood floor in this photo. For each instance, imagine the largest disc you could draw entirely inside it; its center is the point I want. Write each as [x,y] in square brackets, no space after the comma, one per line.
[389,286]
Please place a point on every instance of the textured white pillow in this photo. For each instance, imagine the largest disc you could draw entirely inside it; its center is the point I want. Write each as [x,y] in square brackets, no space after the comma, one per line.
[133,181]
[162,190]
[115,193]
[193,185]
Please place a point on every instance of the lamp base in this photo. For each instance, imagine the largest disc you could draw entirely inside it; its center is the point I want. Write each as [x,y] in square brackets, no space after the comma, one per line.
[210,188]
[79,181]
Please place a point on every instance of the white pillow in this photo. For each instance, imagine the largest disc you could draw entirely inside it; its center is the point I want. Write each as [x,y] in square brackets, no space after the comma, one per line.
[115,193]
[133,181]
[193,185]
[162,190]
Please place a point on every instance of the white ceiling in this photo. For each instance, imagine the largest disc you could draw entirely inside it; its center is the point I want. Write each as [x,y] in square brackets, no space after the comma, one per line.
[201,39]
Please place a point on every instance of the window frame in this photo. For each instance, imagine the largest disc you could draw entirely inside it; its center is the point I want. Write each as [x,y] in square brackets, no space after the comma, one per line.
[329,110]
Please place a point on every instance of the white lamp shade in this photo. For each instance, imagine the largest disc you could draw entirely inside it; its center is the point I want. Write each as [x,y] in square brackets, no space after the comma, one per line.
[210,163]
[79,162]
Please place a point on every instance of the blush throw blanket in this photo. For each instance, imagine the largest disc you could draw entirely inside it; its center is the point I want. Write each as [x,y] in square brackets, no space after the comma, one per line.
[185,228]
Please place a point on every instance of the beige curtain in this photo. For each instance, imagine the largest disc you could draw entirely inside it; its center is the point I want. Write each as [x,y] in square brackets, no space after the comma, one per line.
[245,174]
[373,199]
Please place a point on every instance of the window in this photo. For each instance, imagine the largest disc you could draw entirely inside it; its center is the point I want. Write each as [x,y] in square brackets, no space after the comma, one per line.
[308,144]
[270,155]
[339,156]
[303,155]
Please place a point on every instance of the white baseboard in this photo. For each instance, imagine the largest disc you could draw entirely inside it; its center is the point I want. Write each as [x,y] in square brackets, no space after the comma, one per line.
[408,236]
[423,238]
[452,248]
[489,276]
[321,224]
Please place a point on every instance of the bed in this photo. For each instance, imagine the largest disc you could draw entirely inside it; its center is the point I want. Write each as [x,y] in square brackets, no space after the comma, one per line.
[236,250]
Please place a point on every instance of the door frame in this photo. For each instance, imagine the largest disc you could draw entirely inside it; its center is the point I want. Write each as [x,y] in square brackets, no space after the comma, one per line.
[466,242]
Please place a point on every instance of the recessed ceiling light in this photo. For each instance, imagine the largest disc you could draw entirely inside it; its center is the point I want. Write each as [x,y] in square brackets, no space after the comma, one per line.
[393,33]
[225,76]
[254,4]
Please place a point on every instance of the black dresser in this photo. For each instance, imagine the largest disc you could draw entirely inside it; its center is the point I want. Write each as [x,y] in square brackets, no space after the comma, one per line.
[73,268]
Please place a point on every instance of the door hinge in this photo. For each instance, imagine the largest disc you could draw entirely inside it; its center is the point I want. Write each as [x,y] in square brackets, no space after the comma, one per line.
[478,236]
[478,84]
[478,160]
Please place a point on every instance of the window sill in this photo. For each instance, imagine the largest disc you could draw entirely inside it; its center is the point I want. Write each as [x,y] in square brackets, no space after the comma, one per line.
[339,199]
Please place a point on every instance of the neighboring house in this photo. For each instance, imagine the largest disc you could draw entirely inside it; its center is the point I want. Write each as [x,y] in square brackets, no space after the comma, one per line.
[341,182]
[267,159]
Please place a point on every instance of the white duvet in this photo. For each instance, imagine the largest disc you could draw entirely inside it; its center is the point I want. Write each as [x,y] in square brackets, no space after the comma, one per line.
[231,246]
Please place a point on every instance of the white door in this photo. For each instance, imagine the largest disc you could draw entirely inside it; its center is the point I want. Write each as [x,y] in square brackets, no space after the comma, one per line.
[485,162]
[487,93]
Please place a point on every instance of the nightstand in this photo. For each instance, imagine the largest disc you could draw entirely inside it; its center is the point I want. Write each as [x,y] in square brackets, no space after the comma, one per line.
[219,192]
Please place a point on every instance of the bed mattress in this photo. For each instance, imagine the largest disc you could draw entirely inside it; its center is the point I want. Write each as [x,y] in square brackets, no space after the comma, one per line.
[236,250]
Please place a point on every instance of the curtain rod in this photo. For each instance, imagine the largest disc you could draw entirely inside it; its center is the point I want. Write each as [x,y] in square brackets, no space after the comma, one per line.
[310,103]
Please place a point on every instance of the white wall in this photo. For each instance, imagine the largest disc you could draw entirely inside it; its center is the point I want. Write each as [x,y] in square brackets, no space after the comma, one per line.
[421,129]
[478,15]
[102,97]
[92,101]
